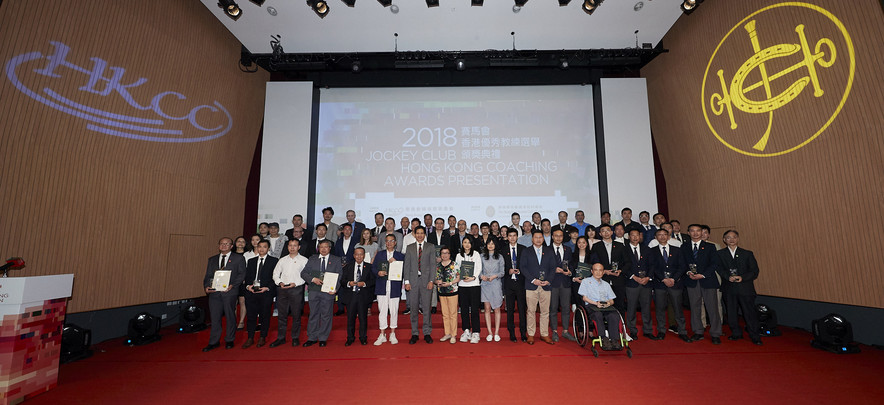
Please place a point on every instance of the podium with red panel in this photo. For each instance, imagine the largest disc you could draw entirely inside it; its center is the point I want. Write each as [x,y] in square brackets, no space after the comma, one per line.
[32,313]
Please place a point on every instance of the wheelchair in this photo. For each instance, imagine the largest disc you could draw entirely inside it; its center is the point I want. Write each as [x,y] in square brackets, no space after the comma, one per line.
[586,331]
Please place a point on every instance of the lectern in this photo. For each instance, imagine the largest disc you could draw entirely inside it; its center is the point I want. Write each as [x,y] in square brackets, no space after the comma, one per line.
[32,313]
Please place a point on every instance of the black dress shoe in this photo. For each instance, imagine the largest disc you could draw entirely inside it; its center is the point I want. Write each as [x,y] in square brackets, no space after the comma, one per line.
[650,336]
[228,345]
[339,313]
[661,336]
[716,340]
[513,339]
[363,340]
[349,341]
[277,342]
[211,347]
[296,342]
[428,339]
[696,337]
[407,312]
[685,337]
[322,343]
[757,341]
[524,338]
[433,310]
[309,343]
[413,340]
[734,337]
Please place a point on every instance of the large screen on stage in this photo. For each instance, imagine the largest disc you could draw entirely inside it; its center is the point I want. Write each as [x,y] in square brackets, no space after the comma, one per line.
[479,153]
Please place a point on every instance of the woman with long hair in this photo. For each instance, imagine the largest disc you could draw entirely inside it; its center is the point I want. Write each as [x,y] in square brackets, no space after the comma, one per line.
[469,291]
[492,287]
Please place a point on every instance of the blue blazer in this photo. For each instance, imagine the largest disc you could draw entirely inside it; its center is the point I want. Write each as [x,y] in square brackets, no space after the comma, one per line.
[561,280]
[675,267]
[707,264]
[380,285]
[640,264]
[339,249]
[530,268]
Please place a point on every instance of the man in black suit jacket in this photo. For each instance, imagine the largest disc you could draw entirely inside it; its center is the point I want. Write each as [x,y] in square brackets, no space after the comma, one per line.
[668,269]
[319,323]
[563,224]
[260,290]
[223,303]
[607,253]
[739,269]
[677,234]
[538,265]
[560,290]
[355,225]
[638,285]
[438,235]
[357,292]
[702,284]
[348,240]
[297,223]
[514,285]
[313,246]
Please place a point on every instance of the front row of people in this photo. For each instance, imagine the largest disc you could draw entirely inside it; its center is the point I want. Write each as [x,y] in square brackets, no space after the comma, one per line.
[622,276]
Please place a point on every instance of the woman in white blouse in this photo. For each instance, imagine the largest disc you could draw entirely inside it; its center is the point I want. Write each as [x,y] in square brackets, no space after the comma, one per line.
[469,291]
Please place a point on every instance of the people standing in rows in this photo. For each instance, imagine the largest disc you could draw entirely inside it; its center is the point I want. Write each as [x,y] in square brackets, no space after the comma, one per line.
[492,288]
[702,284]
[639,286]
[469,291]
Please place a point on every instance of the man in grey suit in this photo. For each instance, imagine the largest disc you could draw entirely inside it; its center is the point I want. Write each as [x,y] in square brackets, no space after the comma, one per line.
[319,324]
[223,303]
[419,272]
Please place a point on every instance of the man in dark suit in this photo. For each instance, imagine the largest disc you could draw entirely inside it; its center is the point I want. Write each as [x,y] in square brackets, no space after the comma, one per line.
[627,222]
[538,265]
[297,223]
[456,239]
[419,272]
[319,323]
[677,234]
[514,285]
[378,228]
[607,253]
[303,241]
[355,226]
[702,284]
[406,226]
[563,224]
[638,286]
[223,302]
[260,290]
[357,292]
[321,233]
[438,235]
[739,269]
[666,263]
[560,288]
[346,243]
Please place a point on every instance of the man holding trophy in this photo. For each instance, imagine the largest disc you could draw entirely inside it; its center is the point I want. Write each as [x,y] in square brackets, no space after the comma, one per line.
[538,265]
[702,284]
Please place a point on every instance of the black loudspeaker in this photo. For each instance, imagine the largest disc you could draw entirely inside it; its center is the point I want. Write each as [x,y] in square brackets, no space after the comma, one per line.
[833,333]
[144,328]
[192,319]
[75,343]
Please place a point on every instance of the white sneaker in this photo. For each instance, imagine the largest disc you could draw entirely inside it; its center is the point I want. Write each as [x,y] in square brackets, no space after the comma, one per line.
[466,336]
[475,338]
[497,338]
[453,340]
[381,340]
[573,307]
[393,339]
[445,338]
[490,337]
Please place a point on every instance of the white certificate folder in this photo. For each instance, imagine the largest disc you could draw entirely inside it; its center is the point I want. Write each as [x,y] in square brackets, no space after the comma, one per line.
[329,282]
[221,280]
[395,271]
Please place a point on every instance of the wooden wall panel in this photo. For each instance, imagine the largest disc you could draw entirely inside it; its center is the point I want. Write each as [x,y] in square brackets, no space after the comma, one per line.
[812,216]
[104,207]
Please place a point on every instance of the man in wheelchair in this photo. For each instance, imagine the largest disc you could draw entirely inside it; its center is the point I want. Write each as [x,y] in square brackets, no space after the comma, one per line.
[598,298]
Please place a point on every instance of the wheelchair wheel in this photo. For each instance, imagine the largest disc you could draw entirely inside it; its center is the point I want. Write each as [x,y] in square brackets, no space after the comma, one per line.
[580,326]
[595,352]
[628,352]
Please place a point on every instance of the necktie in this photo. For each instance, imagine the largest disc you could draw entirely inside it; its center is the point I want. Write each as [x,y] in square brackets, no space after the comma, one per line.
[258,274]
[559,252]
[537,251]
[635,252]
[358,276]
[665,255]
[695,251]
[420,250]
[514,262]
[322,266]
[223,261]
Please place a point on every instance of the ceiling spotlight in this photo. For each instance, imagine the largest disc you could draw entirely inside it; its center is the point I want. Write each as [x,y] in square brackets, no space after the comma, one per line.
[385,3]
[688,6]
[563,63]
[432,3]
[394,9]
[477,2]
[230,8]
[563,3]
[258,2]
[320,7]
[350,3]
[589,6]
[460,64]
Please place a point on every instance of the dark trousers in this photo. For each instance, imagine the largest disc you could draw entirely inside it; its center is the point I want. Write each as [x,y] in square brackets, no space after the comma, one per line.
[358,307]
[289,302]
[469,299]
[258,305]
[222,304]
[636,296]
[746,303]
[674,295]
[698,297]
[560,297]
[599,316]
[576,299]
[512,296]
[620,297]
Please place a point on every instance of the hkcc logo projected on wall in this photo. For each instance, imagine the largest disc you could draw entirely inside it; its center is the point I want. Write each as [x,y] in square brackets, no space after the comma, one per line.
[103,86]
[796,67]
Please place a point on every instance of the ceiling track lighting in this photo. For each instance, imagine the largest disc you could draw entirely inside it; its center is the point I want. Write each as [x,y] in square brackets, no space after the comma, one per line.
[432,3]
[589,6]
[320,7]
[230,8]
[476,3]
[350,3]
[688,6]
[385,3]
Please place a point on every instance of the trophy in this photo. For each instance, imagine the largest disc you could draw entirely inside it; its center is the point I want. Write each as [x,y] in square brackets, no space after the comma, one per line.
[565,267]
[667,274]
[692,268]
[615,266]
[733,272]
[256,286]
[542,276]
[641,273]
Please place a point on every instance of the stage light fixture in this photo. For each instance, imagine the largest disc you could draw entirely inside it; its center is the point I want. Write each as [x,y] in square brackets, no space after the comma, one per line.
[356,66]
[75,342]
[563,3]
[320,7]
[432,3]
[833,333]
[144,328]
[688,6]
[230,8]
[520,3]
[563,63]
[258,2]
[589,6]
[476,3]
[385,3]
[767,320]
[191,319]
[350,3]
[460,64]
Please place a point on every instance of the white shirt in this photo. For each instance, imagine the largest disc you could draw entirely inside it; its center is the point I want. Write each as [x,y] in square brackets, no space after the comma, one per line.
[346,246]
[288,270]
[407,240]
[476,258]
[653,243]
[733,252]
[608,247]
[666,252]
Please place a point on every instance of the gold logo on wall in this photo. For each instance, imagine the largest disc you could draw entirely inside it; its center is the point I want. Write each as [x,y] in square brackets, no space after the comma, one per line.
[791,60]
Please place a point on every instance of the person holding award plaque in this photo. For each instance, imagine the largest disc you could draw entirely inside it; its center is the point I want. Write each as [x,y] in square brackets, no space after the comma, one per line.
[222,300]
[667,269]
[492,293]
[446,281]
[560,289]
[538,264]
[469,264]
[321,273]
[638,286]
[387,291]
[739,269]
[419,272]
[702,284]
[599,299]
[260,290]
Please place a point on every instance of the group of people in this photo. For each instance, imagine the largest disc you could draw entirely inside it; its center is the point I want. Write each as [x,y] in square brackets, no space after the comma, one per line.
[531,266]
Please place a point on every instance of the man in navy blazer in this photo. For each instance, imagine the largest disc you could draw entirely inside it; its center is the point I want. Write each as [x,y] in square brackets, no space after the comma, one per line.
[739,269]
[260,290]
[702,284]
[388,291]
[223,303]
[538,265]
[514,285]
[638,285]
[348,241]
[607,253]
[355,225]
[668,268]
